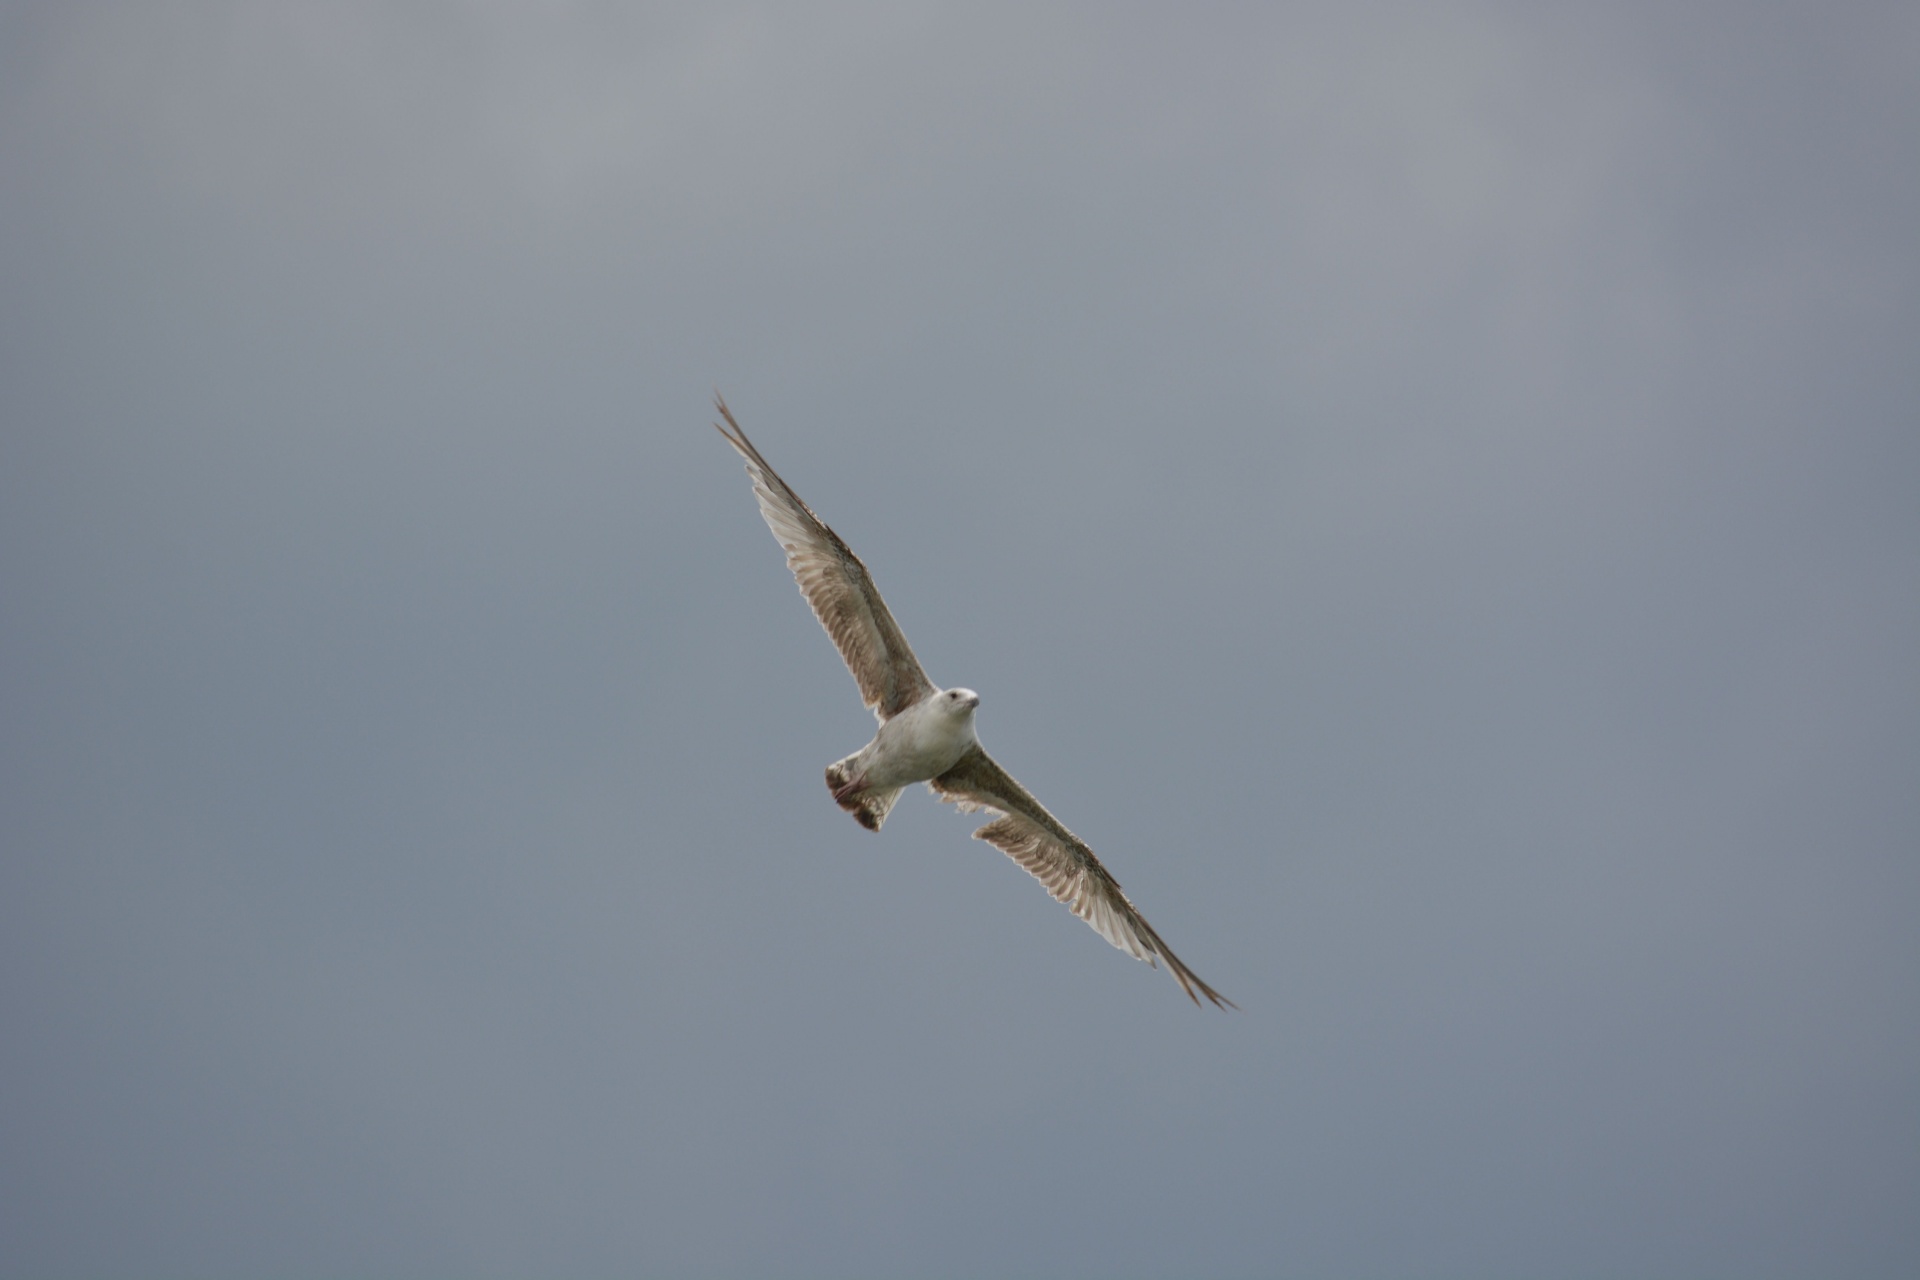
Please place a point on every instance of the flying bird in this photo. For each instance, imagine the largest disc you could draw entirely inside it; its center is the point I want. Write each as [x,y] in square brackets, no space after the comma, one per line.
[926,733]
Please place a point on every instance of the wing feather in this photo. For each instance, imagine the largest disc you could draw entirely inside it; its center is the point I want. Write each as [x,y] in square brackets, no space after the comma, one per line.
[837,586]
[1024,830]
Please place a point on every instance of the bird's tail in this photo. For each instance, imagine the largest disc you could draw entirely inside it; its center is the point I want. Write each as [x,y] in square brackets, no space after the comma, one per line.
[869,808]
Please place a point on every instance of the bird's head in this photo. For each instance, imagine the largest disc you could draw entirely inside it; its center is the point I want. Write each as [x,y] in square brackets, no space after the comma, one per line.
[959,702]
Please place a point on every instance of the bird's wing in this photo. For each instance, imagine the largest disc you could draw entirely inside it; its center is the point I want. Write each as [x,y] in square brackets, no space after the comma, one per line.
[838,587]
[1058,859]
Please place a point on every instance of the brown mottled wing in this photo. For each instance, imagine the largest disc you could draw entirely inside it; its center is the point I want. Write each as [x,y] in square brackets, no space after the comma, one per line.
[838,587]
[1058,859]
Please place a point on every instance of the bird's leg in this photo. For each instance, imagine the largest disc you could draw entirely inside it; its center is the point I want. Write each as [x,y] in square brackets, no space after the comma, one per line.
[843,782]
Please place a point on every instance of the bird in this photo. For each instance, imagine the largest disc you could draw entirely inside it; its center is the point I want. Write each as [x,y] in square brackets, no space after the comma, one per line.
[927,733]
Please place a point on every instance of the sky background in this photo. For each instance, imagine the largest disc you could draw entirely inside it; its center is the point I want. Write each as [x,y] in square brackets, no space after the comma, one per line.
[1431,493]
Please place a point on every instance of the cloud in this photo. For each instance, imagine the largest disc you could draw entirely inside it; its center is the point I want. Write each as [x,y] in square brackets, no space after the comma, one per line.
[1427,495]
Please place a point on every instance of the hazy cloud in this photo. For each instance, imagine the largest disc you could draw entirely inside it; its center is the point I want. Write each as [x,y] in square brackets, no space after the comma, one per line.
[1427,494]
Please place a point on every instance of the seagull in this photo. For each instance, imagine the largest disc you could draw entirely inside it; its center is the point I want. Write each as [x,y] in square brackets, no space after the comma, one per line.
[926,733]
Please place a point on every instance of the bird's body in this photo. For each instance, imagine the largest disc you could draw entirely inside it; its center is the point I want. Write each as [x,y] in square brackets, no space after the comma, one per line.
[926,733]
[916,745]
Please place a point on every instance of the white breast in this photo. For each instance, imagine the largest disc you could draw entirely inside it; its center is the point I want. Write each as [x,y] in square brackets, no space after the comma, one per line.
[921,742]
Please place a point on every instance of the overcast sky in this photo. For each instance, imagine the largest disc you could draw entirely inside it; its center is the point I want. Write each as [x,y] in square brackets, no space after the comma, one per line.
[1431,493]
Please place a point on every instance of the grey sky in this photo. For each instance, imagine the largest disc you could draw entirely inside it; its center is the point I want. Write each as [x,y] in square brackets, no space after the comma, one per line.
[1432,494]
